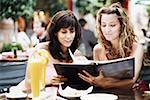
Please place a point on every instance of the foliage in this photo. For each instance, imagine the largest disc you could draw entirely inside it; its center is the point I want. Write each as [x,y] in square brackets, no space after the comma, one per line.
[55,7]
[15,8]
[91,6]
[52,6]
[9,47]
[6,47]
[148,10]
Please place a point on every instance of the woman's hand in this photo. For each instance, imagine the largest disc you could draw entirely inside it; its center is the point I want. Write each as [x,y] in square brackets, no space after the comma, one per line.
[87,77]
[99,81]
[59,79]
[105,82]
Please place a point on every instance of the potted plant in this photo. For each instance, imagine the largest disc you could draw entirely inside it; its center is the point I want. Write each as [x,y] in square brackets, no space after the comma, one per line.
[15,8]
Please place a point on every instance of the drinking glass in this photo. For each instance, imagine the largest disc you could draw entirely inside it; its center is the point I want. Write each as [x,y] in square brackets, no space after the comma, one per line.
[35,74]
[43,77]
[37,69]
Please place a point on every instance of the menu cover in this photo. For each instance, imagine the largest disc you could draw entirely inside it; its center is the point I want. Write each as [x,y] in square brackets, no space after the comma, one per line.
[71,70]
[122,68]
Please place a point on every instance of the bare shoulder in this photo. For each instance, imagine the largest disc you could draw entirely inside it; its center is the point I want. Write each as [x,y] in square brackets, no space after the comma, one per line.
[99,52]
[98,48]
[43,45]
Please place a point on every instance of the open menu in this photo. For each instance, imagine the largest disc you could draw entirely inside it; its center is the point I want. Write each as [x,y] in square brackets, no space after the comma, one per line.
[122,68]
[71,70]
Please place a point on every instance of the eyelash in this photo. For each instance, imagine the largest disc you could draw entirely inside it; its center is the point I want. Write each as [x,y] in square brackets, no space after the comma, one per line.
[63,31]
[110,25]
[71,31]
[103,25]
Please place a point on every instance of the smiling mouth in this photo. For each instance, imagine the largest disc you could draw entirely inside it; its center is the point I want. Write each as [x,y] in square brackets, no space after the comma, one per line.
[108,34]
[68,41]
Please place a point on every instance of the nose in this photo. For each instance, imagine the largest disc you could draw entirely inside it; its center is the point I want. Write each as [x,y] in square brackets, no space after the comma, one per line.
[107,29]
[68,35]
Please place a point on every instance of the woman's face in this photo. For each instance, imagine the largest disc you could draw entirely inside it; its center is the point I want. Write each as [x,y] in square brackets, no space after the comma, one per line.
[110,26]
[66,36]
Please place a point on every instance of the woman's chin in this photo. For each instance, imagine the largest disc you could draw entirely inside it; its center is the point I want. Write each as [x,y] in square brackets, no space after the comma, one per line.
[67,45]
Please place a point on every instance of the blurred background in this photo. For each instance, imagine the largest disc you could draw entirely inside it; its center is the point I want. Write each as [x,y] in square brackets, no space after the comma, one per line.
[28,16]
[23,25]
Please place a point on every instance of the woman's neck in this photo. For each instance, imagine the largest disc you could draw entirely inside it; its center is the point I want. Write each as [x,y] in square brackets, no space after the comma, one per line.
[115,43]
[64,49]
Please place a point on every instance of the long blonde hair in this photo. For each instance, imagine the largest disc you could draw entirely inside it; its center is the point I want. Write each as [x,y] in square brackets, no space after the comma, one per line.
[126,36]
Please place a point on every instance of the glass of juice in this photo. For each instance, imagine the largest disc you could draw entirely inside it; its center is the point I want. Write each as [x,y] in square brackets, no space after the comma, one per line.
[44,58]
[37,69]
[35,75]
[43,77]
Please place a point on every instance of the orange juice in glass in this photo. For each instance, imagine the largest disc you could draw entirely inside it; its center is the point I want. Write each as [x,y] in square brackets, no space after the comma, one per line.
[35,74]
[37,69]
[44,58]
[43,76]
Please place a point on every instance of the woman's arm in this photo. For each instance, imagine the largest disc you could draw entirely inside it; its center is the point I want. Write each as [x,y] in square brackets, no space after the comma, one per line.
[138,54]
[107,82]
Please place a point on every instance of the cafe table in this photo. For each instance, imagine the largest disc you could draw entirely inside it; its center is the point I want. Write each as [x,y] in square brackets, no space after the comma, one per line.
[122,94]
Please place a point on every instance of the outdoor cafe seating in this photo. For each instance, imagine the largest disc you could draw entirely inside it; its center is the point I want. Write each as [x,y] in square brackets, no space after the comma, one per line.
[11,73]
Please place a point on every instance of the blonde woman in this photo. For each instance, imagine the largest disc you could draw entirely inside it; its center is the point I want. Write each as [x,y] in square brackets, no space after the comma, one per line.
[117,40]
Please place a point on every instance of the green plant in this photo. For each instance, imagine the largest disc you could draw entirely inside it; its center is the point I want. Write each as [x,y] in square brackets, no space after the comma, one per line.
[18,46]
[148,10]
[52,6]
[16,8]
[91,6]
[7,47]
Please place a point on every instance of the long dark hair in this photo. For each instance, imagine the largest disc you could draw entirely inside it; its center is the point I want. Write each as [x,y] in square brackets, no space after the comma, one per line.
[62,19]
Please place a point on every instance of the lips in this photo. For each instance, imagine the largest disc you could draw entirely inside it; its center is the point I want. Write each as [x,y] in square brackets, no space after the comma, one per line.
[69,41]
[108,34]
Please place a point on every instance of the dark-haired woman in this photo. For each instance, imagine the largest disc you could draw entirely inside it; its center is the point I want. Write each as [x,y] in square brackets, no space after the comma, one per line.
[64,32]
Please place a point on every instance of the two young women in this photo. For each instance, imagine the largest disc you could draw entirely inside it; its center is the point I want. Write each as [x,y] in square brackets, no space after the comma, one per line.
[117,40]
